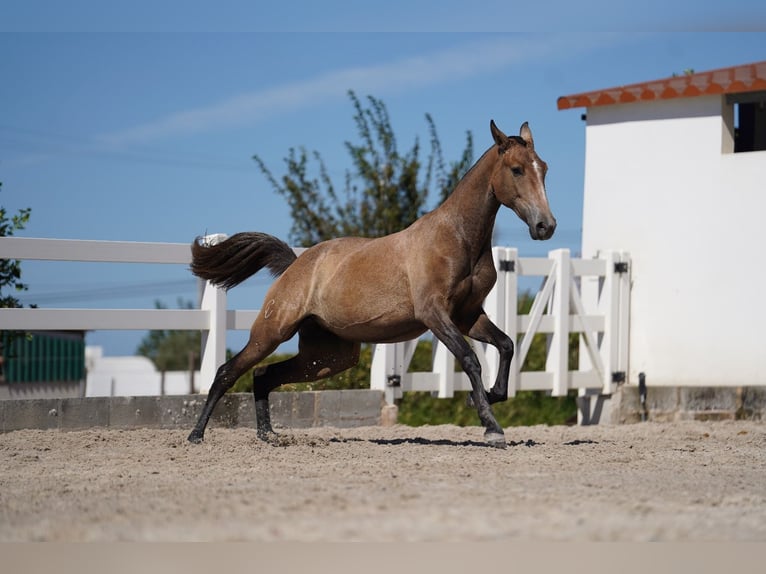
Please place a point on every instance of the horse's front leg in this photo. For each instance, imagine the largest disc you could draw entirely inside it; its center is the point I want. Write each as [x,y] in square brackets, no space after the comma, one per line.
[448,333]
[486,331]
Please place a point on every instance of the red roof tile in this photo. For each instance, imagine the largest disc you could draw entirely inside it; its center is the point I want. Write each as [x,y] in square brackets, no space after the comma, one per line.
[736,79]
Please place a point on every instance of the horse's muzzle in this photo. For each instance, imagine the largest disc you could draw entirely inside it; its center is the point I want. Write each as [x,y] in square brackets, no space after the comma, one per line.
[543,229]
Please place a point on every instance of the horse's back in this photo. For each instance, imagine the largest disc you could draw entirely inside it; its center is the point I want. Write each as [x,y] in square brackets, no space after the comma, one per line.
[356,287]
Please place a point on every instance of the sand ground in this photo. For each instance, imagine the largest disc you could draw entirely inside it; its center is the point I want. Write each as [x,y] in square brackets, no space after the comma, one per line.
[694,481]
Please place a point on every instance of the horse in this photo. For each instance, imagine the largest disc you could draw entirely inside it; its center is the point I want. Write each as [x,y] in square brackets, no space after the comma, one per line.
[434,275]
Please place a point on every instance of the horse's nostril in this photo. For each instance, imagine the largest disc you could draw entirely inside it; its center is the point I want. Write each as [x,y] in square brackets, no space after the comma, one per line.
[544,229]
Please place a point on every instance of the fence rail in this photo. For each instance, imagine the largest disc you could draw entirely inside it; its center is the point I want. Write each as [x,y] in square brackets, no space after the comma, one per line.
[590,297]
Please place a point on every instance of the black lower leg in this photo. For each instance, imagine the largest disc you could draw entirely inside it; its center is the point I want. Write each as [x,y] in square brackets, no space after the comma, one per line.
[198,432]
[499,391]
[261,391]
[264,431]
[493,433]
[486,331]
[224,379]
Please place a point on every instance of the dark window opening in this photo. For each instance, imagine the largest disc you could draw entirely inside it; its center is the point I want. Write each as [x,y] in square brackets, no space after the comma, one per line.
[749,121]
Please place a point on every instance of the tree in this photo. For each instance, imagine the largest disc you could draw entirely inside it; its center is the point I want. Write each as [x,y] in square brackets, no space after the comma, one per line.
[10,269]
[385,192]
[10,276]
[170,350]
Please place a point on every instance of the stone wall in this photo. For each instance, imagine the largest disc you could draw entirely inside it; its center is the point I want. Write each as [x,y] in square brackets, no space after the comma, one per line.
[347,408]
[665,404]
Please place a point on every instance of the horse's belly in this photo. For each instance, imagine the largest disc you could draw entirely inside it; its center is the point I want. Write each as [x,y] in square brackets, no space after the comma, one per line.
[379,335]
[382,327]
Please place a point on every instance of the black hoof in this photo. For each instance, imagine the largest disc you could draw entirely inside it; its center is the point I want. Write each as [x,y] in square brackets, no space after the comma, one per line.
[495,439]
[195,437]
[267,435]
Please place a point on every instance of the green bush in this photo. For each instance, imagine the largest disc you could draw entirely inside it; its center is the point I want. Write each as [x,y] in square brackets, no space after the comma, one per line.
[526,408]
[357,377]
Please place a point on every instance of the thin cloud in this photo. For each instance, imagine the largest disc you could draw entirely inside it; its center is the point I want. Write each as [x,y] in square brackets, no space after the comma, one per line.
[459,63]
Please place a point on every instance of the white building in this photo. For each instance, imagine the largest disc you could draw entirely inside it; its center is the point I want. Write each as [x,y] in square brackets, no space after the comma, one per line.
[133,376]
[675,174]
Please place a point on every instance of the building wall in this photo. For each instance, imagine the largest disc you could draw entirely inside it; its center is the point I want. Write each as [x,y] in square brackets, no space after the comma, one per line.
[661,183]
[132,377]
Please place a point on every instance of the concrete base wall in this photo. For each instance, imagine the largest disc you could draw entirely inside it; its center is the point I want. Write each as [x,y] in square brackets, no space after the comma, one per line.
[665,404]
[347,408]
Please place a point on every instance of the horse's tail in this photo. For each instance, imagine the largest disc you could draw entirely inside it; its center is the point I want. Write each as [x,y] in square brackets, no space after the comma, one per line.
[229,263]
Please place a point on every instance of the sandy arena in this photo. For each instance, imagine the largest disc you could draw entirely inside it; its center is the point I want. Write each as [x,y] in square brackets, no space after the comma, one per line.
[651,481]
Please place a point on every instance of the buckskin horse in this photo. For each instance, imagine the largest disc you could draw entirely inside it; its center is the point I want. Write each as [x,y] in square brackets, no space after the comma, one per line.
[433,275]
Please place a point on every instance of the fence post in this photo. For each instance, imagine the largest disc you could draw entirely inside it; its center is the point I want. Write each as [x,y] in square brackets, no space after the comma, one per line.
[494,306]
[212,300]
[623,337]
[557,362]
[511,324]
[501,306]
[595,293]
[611,308]
[444,366]
[384,370]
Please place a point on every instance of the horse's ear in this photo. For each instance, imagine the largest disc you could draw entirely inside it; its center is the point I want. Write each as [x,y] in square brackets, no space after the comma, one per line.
[500,138]
[526,134]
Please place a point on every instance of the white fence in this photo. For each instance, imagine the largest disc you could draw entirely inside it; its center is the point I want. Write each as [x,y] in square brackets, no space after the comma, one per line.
[589,297]
[211,318]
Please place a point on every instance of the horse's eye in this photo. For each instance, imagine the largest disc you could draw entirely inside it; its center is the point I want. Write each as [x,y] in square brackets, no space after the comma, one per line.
[517,171]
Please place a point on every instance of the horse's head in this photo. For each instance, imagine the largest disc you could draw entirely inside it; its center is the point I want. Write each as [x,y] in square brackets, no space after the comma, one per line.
[518,181]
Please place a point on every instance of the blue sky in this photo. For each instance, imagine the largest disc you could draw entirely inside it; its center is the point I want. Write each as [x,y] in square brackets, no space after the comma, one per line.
[121,134]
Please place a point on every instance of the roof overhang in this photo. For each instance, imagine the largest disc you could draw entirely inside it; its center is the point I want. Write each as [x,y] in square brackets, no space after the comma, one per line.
[735,79]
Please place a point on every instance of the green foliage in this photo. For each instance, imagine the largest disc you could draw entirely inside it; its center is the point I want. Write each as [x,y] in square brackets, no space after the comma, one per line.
[357,377]
[526,408]
[170,350]
[10,269]
[10,278]
[386,191]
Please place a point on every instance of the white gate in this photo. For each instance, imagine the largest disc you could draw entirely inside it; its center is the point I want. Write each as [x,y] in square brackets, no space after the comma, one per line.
[590,297]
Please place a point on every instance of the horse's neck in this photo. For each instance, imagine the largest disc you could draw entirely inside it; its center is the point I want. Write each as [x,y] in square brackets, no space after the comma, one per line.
[472,207]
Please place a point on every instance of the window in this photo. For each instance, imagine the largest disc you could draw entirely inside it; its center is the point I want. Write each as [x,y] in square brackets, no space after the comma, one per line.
[749,121]
[43,357]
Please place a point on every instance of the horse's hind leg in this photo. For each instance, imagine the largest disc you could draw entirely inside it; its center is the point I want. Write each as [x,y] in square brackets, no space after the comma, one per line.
[320,354]
[227,375]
